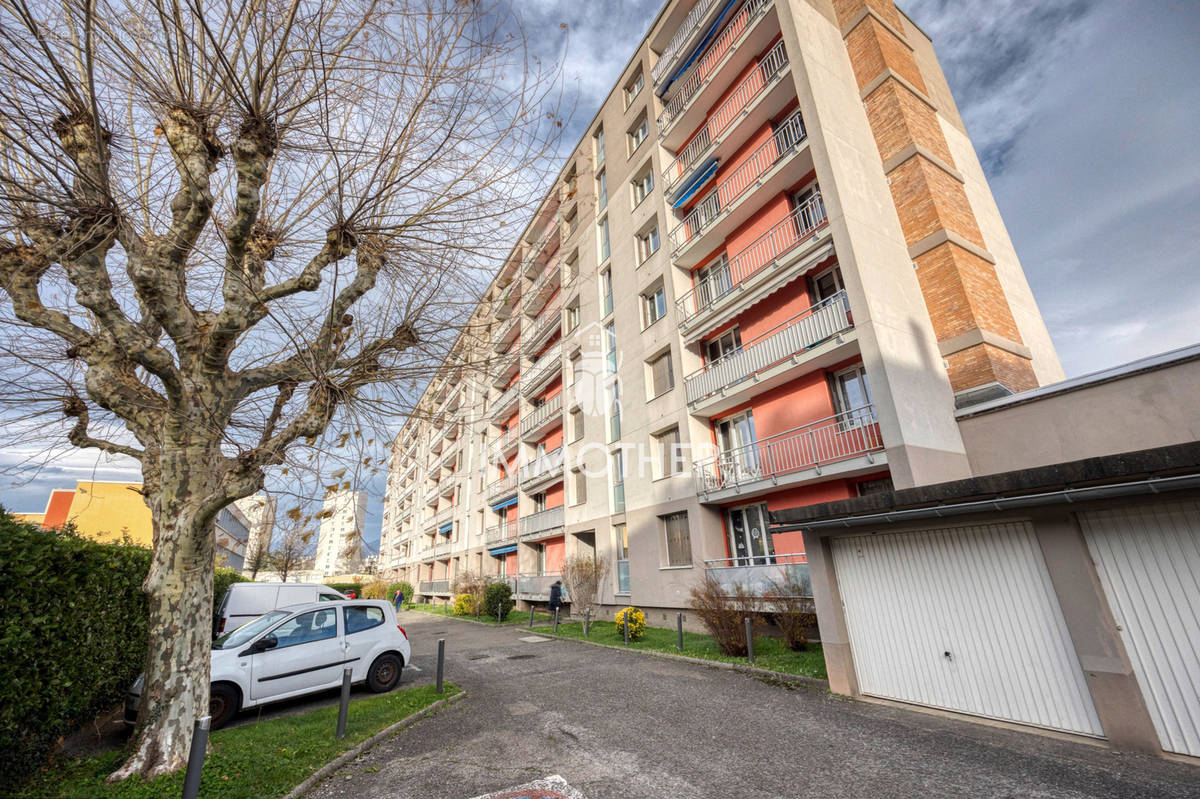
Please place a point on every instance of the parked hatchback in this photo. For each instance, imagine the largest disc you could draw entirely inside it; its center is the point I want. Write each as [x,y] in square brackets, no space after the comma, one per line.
[300,650]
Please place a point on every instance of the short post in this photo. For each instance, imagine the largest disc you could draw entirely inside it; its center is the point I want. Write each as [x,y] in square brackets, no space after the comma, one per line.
[195,763]
[500,613]
[679,630]
[441,662]
[531,616]
[749,642]
[344,707]
[556,621]
[625,625]
[587,622]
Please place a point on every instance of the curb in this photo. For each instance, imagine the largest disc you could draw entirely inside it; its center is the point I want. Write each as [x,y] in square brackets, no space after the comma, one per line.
[345,757]
[753,671]
[505,626]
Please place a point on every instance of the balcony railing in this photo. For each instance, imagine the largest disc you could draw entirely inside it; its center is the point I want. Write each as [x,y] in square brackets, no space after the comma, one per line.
[729,112]
[505,486]
[434,587]
[712,56]
[802,332]
[539,289]
[837,438]
[542,370]
[503,404]
[540,416]
[542,522]
[679,41]
[502,339]
[504,444]
[783,143]
[499,533]
[544,326]
[545,466]
[763,575]
[537,586]
[799,226]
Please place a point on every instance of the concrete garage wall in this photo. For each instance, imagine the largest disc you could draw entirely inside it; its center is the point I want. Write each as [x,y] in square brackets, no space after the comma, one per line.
[1150,403]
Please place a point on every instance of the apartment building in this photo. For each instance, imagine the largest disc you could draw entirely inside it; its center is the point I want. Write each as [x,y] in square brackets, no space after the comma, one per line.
[340,536]
[765,278]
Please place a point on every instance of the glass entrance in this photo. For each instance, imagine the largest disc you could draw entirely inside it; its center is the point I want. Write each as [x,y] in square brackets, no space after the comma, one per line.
[749,540]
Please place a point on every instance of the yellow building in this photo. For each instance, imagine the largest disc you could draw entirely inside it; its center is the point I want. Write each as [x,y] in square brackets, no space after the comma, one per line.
[108,512]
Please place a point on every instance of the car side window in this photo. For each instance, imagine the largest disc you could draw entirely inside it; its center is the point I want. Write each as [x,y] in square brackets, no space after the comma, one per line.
[362,617]
[329,598]
[316,625]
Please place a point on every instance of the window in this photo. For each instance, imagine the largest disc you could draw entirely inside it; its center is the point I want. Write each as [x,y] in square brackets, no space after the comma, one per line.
[827,284]
[638,133]
[598,143]
[670,454]
[576,372]
[643,186]
[647,244]
[723,345]
[654,305]
[317,625]
[576,426]
[606,292]
[879,485]
[614,412]
[618,477]
[362,618]
[572,317]
[539,501]
[679,540]
[601,190]
[579,486]
[622,536]
[662,376]
[634,87]
[852,397]
[605,249]
[610,346]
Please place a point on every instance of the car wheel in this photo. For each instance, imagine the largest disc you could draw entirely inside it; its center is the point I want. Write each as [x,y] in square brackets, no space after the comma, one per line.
[384,674]
[222,705]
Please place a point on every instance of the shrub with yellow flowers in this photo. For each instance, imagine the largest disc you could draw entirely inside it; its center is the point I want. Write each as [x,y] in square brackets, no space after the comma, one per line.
[465,605]
[636,619]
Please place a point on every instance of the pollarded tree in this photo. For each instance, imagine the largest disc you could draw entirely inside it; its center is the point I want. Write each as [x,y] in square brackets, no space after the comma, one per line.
[222,224]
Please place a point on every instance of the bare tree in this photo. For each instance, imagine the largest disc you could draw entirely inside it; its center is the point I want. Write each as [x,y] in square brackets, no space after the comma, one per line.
[223,227]
[584,575]
[293,548]
[258,560]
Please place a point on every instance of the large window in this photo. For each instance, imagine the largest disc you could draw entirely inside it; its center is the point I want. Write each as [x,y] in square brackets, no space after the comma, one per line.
[576,426]
[579,486]
[638,133]
[610,347]
[621,534]
[647,244]
[643,185]
[601,190]
[670,455]
[634,87]
[662,375]
[605,248]
[852,397]
[618,478]
[679,540]
[598,143]
[654,305]
[606,292]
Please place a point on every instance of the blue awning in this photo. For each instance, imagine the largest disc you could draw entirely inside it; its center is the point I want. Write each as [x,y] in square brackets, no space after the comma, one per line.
[502,550]
[505,504]
[688,190]
[699,49]
[447,527]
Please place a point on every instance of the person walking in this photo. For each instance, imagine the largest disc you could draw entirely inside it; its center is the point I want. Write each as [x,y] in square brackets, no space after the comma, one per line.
[555,596]
[398,599]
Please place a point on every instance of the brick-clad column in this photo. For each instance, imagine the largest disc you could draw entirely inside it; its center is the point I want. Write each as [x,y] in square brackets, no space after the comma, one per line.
[971,319]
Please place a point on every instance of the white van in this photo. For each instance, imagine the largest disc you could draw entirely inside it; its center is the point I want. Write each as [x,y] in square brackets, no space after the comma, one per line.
[245,601]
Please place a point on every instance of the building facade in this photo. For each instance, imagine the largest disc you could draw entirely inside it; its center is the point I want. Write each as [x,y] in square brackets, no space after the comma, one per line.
[339,538]
[765,278]
[259,510]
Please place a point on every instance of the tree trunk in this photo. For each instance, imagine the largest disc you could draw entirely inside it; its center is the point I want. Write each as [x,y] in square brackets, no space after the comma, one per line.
[179,586]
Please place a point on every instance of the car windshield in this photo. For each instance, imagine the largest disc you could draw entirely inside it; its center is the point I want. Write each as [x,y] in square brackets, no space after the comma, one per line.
[242,634]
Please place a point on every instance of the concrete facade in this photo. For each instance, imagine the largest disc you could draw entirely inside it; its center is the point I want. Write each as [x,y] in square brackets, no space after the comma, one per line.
[339,538]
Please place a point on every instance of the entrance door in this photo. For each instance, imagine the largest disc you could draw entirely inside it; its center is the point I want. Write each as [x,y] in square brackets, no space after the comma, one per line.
[739,455]
[749,540]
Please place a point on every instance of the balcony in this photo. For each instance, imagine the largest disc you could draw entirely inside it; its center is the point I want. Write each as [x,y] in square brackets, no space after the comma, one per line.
[539,375]
[506,367]
[543,524]
[506,403]
[505,334]
[809,340]
[499,534]
[760,574]
[545,286]
[504,446]
[757,99]
[444,518]
[548,241]
[449,485]
[700,18]
[548,322]
[536,587]
[773,166]
[782,253]
[428,587]
[542,471]
[542,418]
[501,489]
[450,454]
[738,44]
[844,444]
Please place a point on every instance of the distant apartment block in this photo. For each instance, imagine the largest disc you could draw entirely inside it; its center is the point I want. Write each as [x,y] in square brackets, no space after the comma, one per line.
[765,278]
[259,511]
[340,537]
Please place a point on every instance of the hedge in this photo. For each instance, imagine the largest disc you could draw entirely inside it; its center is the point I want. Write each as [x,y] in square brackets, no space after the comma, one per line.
[346,588]
[72,636]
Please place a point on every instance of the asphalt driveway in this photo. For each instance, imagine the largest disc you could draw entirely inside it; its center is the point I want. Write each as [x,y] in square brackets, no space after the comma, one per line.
[617,724]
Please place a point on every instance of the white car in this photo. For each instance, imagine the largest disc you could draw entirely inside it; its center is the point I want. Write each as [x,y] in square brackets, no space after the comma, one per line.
[300,650]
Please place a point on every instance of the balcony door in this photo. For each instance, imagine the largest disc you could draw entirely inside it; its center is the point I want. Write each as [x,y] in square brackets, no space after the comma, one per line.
[723,345]
[713,283]
[749,540]
[739,455]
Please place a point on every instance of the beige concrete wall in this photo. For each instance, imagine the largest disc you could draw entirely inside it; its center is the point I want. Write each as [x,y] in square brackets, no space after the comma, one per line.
[1152,409]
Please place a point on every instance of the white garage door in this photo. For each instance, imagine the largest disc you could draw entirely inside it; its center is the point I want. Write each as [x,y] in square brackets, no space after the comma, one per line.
[963,619]
[1148,559]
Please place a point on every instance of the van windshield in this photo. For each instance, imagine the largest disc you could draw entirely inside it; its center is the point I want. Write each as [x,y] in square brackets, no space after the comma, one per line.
[246,632]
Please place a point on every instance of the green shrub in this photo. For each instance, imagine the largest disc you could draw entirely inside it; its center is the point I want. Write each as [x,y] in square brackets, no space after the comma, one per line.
[465,605]
[376,589]
[223,578]
[403,586]
[497,600]
[72,636]
[346,588]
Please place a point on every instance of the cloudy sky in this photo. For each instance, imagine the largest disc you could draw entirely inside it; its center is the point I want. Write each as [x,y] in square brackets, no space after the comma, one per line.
[1086,116]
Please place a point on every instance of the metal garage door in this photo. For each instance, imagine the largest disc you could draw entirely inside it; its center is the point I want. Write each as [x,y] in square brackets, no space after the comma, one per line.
[1148,559]
[963,619]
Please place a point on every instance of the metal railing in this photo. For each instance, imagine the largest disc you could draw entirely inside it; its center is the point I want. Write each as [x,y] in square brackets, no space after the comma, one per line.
[541,522]
[500,532]
[797,227]
[531,297]
[503,403]
[802,332]
[546,237]
[836,438]
[685,32]
[703,69]
[733,186]
[539,416]
[537,586]
[544,325]
[498,340]
[505,443]
[763,576]
[502,487]
[544,466]
[726,114]
[434,587]
[545,366]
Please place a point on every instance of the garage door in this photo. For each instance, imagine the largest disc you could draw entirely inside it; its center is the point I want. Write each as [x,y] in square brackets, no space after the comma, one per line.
[963,619]
[1148,559]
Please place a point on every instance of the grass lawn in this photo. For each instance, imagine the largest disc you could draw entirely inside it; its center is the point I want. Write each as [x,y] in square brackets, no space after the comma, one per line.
[266,759]
[514,618]
[769,653]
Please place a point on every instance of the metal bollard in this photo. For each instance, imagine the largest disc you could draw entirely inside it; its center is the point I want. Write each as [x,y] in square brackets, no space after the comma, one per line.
[556,621]
[679,629]
[344,707]
[749,641]
[500,613]
[441,662]
[531,616]
[195,763]
[625,626]
[587,622]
